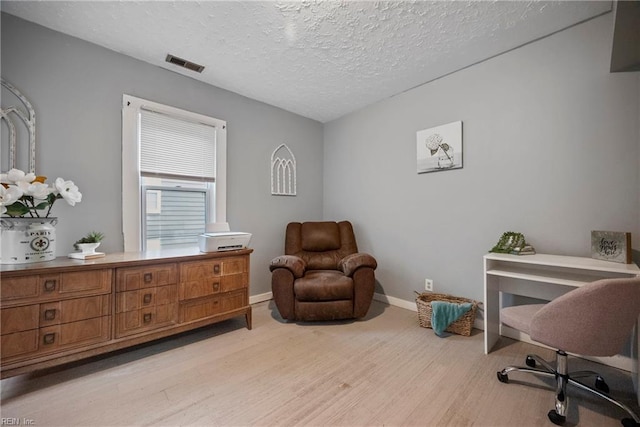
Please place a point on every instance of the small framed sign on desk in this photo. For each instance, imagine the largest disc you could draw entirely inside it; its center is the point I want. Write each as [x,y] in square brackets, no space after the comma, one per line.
[611,246]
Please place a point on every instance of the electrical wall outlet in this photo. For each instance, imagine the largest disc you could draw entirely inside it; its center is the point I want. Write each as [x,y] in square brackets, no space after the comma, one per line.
[428,285]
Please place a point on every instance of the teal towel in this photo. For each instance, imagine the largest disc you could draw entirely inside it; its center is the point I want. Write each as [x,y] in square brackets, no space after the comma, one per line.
[444,313]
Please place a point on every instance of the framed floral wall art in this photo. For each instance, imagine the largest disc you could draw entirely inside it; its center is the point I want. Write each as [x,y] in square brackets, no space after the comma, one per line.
[439,148]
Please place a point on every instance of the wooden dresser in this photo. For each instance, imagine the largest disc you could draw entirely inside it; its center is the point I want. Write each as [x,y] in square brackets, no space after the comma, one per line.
[65,310]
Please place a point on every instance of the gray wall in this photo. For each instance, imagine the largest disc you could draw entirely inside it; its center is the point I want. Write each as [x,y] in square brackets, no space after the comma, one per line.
[550,150]
[76,89]
[551,144]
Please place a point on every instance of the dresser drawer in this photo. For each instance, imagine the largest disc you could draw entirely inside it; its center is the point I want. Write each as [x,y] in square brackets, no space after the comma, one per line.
[55,338]
[210,306]
[19,344]
[200,309]
[145,319]
[235,281]
[73,334]
[234,265]
[198,270]
[150,297]
[130,279]
[234,300]
[18,319]
[19,288]
[73,310]
[24,318]
[37,288]
[199,288]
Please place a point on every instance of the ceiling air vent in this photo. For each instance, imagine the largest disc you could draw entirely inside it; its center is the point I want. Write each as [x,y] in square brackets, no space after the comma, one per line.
[184,63]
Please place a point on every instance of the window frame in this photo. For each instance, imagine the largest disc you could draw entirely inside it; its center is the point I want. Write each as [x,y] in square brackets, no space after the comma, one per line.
[132,194]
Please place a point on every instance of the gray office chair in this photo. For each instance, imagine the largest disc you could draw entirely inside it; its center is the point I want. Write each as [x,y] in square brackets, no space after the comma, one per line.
[593,320]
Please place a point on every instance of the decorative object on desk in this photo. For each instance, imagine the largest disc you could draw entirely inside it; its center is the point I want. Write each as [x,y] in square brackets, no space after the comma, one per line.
[91,240]
[283,172]
[27,240]
[87,246]
[513,243]
[440,148]
[611,246]
[27,230]
[461,326]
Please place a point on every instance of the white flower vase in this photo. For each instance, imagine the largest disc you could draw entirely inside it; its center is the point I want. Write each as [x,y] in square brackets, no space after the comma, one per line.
[27,240]
[445,158]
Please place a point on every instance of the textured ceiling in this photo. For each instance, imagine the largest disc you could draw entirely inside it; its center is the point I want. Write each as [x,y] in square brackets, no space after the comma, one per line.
[319,59]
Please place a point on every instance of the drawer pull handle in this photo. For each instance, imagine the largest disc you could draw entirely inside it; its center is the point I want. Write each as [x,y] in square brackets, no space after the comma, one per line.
[216,286]
[49,285]
[148,277]
[50,314]
[146,299]
[49,338]
[147,318]
[216,269]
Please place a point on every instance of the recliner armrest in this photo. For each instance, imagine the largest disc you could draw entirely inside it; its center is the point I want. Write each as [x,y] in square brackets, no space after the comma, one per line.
[349,264]
[295,264]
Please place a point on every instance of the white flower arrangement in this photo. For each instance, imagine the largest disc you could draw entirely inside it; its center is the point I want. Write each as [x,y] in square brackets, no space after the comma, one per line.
[25,194]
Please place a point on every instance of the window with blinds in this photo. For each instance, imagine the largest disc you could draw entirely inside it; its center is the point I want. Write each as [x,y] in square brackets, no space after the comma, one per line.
[174,147]
[177,153]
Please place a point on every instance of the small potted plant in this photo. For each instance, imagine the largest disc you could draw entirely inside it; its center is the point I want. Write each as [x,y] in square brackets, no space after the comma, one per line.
[90,242]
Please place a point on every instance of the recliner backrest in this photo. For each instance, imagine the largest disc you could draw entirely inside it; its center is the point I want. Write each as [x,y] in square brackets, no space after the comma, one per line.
[321,244]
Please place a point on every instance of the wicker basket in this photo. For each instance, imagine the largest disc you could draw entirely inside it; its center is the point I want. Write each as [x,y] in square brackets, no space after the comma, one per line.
[462,326]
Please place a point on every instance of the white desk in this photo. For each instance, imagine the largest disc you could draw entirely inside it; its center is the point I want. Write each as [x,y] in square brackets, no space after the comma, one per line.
[547,277]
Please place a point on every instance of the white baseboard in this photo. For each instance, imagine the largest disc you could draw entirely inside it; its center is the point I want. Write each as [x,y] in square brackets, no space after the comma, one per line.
[254,299]
[397,302]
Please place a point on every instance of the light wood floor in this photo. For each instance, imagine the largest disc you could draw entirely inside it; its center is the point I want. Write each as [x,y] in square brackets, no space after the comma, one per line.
[384,370]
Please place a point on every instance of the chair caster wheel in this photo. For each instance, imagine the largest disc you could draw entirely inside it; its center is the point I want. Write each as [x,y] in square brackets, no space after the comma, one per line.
[503,378]
[601,385]
[555,418]
[530,361]
[629,422]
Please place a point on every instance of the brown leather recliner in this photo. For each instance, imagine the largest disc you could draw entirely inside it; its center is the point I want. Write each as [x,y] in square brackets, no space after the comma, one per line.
[322,276]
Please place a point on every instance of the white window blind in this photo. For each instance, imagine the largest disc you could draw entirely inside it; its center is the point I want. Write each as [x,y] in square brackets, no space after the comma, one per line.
[172,147]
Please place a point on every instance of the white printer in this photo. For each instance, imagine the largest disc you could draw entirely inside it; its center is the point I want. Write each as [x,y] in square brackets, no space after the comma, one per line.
[219,238]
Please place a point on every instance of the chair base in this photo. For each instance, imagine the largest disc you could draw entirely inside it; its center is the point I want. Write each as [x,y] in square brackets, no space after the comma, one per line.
[564,378]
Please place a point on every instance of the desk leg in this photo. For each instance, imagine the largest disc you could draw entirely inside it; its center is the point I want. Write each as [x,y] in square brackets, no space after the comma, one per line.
[491,312]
